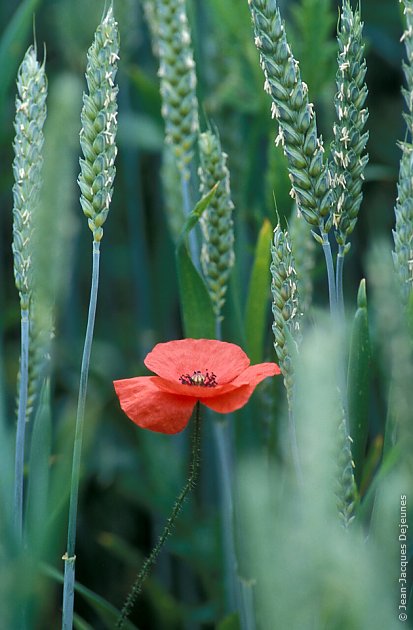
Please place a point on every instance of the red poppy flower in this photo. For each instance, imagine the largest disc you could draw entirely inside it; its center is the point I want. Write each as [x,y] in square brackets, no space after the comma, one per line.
[216,373]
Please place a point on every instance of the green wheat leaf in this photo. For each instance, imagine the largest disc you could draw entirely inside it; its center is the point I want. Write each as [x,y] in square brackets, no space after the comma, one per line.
[258,295]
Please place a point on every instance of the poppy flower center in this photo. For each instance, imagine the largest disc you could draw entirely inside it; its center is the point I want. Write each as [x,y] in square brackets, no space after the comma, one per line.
[201,379]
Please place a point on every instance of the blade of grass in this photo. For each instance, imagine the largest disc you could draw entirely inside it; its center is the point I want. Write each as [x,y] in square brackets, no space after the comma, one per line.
[358,382]
[256,310]
[196,306]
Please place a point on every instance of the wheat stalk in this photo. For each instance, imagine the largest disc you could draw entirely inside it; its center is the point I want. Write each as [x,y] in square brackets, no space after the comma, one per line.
[97,139]
[308,170]
[348,158]
[27,167]
[349,139]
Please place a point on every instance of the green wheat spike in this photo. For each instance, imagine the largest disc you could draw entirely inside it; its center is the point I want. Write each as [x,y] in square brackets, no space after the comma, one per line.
[303,148]
[350,139]
[99,125]
[178,80]
[346,489]
[27,170]
[217,254]
[285,305]
[172,193]
[403,232]
[27,167]
[304,250]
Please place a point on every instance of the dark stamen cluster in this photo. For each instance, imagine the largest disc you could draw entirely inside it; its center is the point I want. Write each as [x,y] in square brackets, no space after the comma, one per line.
[202,379]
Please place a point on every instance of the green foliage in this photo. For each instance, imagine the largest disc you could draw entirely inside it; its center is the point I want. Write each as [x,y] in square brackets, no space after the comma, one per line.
[12,43]
[197,311]
[300,567]
[358,380]
[314,22]
[256,309]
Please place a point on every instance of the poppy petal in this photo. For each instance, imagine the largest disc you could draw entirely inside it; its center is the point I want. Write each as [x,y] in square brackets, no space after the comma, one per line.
[151,408]
[173,359]
[254,374]
[233,400]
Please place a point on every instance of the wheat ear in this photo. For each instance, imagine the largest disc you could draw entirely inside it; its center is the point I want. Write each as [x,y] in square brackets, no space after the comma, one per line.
[27,167]
[348,158]
[286,323]
[308,170]
[178,80]
[217,254]
[403,232]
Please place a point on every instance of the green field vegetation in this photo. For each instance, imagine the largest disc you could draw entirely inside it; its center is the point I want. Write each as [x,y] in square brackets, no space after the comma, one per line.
[237,170]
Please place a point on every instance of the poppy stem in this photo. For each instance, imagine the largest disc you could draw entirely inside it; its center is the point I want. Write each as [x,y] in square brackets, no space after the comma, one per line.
[69,557]
[151,559]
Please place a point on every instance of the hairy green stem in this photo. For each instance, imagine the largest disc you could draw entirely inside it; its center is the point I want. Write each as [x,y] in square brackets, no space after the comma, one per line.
[21,425]
[151,559]
[69,557]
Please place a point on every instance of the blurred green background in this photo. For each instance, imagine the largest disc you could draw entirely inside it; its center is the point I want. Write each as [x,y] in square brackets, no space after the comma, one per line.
[130,477]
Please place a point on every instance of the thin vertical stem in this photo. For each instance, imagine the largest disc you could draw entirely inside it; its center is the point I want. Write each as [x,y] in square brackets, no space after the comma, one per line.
[186,198]
[69,557]
[341,331]
[294,445]
[339,283]
[238,593]
[218,328]
[335,290]
[330,275]
[151,559]
[21,425]
[225,465]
